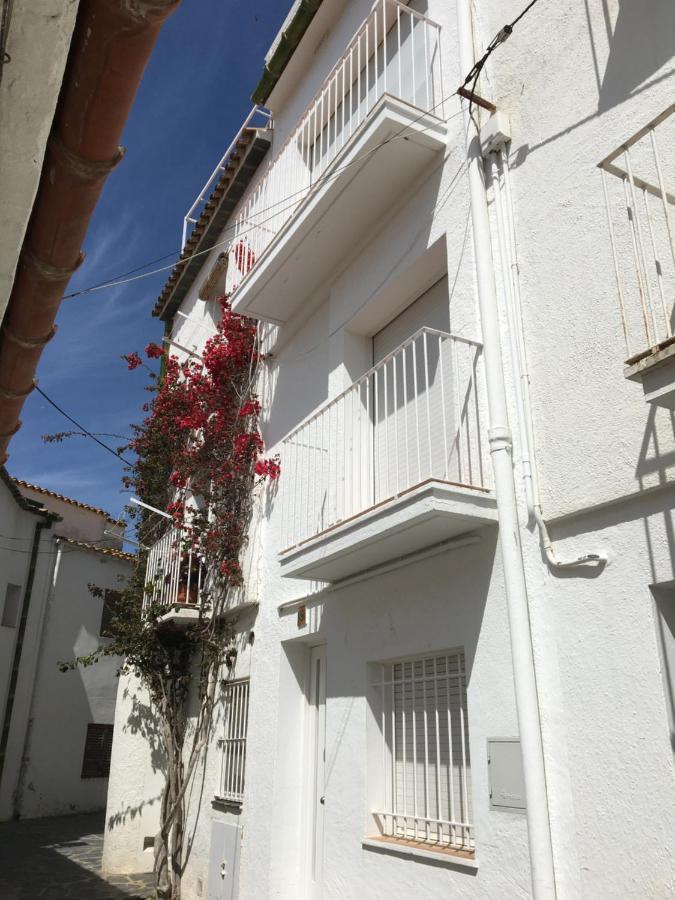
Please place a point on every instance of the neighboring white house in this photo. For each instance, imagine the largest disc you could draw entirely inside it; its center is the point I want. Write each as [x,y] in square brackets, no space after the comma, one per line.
[457,648]
[56,727]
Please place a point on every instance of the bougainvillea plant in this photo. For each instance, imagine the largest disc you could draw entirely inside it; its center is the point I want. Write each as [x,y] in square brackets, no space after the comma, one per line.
[198,456]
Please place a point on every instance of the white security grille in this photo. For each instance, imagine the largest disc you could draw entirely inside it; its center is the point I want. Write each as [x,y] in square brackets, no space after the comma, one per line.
[640,202]
[234,742]
[425,751]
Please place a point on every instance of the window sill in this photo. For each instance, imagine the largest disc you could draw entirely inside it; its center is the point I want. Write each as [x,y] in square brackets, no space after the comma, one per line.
[227,803]
[423,852]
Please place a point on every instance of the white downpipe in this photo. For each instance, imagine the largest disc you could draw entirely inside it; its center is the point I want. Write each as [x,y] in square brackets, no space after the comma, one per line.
[499,174]
[499,435]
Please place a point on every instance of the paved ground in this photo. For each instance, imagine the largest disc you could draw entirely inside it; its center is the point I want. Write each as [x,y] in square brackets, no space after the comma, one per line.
[60,859]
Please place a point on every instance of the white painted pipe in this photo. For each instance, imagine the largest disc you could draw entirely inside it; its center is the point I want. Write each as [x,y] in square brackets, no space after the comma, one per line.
[499,435]
[507,228]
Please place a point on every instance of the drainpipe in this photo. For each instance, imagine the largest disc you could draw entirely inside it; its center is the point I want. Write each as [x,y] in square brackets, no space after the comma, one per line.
[506,235]
[18,646]
[111,45]
[25,754]
[500,440]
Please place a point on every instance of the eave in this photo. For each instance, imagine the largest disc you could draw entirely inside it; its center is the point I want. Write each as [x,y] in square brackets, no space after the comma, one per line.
[213,219]
[284,47]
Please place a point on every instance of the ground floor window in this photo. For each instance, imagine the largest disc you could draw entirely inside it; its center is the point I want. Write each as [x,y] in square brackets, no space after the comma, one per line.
[234,740]
[422,778]
[97,750]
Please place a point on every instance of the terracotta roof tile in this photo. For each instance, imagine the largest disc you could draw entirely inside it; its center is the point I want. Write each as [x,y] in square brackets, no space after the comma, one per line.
[106,551]
[35,487]
[241,162]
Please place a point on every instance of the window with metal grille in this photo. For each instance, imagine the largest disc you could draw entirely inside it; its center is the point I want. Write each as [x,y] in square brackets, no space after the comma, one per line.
[97,749]
[234,740]
[424,783]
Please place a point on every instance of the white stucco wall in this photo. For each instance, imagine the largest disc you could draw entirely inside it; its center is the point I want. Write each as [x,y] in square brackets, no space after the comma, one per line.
[604,458]
[18,529]
[77,521]
[65,703]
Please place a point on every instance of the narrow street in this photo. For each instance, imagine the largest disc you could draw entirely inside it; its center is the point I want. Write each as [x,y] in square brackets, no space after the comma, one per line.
[59,858]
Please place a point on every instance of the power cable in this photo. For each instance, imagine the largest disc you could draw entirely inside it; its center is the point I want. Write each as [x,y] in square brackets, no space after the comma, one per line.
[122,279]
[496,41]
[82,428]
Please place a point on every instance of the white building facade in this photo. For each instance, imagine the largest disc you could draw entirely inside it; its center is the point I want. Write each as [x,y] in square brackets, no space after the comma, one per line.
[56,726]
[456,642]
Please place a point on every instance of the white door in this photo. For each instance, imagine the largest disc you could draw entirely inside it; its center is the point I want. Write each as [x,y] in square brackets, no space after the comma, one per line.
[316,757]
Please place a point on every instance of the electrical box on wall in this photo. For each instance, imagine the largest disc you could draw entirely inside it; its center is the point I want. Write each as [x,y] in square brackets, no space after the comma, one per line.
[505,770]
[495,133]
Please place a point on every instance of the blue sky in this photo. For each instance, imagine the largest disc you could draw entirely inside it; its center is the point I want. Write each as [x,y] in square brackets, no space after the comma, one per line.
[193,99]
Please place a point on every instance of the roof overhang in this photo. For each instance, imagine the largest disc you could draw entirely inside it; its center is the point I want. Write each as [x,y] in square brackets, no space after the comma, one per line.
[206,233]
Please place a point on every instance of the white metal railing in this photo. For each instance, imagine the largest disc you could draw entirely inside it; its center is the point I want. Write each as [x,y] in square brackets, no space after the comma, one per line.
[425,791]
[175,571]
[259,117]
[641,226]
[396,50]
[413,417]
[233,762]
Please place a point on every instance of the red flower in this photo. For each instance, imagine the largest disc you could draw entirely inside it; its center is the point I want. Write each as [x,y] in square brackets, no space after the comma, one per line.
[268,468]
[133,361]
[154,351]
[250,408]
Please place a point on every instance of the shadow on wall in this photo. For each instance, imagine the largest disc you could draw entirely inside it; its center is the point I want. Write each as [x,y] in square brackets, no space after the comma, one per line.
[654,460]
[140,722]
[664,600]
[640,43]
[636,45]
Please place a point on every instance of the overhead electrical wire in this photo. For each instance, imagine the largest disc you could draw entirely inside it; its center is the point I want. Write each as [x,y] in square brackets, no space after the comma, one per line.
[496,41]
[81,427]
[130,276]
[122,279]
[473,75]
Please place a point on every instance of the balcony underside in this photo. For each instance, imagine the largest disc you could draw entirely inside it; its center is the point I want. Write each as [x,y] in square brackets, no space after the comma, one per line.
[425,515]
[655,369]
[352,198]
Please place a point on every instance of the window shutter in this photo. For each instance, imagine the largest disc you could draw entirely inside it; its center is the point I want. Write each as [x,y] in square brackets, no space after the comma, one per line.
[97,750]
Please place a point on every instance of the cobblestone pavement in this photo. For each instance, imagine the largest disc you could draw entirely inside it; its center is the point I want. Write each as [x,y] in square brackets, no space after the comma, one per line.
[59,858]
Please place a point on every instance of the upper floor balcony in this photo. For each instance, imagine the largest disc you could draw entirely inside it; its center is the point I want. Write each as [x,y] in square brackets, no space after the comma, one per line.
[363,141]
[179,583]
[639,192]
[394,464]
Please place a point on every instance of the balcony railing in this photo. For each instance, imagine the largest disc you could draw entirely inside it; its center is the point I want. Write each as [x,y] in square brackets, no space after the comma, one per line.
[640,200]
[413,418]
[396,50]
[175,572]
[259,117]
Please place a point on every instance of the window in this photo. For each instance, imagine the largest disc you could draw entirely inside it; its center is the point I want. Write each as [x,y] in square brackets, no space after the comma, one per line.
[97,749]
[423,776]
[10,611]
[234,742]
[111,606]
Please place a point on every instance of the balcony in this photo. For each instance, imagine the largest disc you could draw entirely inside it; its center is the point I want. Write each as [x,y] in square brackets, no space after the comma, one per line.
[178,582]
[639,196]
[369,133]
[394,464]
